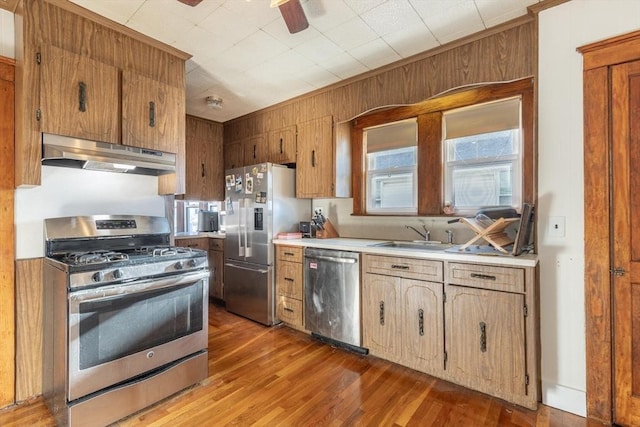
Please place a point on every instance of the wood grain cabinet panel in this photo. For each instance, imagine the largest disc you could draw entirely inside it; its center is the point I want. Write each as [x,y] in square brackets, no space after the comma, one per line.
[485,341]
[380,316]
[314,159]
[233,155]
[216,269]
[290,285]
[204,168]
[255,150]
[282,145]
[153,113]
[79,97]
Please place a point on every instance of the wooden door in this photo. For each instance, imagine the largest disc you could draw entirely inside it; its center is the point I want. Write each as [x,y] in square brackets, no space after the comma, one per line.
[626,241]
[380,297]
[233,155]
[255,150]
[204,174]
[314,160]
[422,326]
[153,113]
[485,340]
[7,235]
[79,97]
[216,266]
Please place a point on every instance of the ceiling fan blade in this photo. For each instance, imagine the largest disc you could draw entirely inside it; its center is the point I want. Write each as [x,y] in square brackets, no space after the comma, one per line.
[190,2]
[294,16]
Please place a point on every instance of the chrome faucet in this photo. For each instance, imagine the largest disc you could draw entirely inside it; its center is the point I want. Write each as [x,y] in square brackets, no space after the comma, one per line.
[426,235]
[449,236]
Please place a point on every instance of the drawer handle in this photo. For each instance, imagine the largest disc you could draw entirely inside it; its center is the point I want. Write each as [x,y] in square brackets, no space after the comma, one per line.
[289,279]
[290,310]
[400,267]
[421,322]
[483,276]
[382,313]
[289,253]
[483,337]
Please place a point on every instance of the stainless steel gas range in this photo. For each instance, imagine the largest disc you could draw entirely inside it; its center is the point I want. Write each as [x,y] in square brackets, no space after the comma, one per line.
[125,317]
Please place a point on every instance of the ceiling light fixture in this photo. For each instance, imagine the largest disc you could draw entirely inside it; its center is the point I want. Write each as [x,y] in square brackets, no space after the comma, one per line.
[214,102]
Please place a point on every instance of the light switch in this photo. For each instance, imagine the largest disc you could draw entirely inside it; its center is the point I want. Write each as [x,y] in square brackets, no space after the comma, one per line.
[556,226]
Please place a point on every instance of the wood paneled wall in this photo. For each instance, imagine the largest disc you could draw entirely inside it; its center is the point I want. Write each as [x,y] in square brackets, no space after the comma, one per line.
[29,301]
[7,234]
[501,54]
[65,25]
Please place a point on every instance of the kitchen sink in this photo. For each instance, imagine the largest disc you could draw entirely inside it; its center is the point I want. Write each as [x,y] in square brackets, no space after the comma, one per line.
[415,245]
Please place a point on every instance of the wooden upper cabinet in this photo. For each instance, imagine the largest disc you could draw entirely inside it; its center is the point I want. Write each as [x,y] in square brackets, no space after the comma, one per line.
[314,160]
[282,145]
[255,150]
[79,97]
[152,112]
[233,155]
[204,171]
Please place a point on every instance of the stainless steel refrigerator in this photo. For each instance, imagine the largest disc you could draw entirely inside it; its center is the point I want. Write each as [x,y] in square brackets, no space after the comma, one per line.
[259,203]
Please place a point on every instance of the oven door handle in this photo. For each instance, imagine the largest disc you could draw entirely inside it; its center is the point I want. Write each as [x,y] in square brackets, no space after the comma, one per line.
[117,291]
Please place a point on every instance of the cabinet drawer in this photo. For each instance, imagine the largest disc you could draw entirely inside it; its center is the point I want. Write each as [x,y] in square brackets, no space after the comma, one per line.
[409,268]
[289,279]
[216,244]
[487,277]
[289,310]
[197,243]
[289,253]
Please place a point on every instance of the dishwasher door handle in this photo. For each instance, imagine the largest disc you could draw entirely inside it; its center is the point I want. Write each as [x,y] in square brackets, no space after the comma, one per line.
[334,259]
[257,270]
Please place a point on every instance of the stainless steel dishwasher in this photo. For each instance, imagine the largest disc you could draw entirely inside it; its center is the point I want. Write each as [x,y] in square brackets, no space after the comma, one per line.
[332,296]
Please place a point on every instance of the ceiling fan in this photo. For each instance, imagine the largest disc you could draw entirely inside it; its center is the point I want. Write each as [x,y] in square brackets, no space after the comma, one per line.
[291,11]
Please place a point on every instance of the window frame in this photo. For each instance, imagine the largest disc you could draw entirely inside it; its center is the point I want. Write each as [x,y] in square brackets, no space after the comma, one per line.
[430,144]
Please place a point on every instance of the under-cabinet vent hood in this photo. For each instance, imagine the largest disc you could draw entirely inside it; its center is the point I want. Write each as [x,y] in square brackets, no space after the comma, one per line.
[77,153]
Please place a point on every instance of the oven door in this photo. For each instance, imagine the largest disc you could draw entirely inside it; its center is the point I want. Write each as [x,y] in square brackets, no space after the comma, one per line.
[119,332]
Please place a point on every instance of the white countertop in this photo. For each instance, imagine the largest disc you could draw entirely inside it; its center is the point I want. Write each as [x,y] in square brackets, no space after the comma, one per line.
[367,246]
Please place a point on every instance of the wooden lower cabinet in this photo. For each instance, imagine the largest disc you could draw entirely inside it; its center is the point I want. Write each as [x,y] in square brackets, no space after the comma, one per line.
[479,328]
[290,286]
[402,321]
[216,269]
[485,344]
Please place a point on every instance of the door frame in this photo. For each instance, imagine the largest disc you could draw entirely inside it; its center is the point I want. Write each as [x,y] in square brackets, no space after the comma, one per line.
[597,59]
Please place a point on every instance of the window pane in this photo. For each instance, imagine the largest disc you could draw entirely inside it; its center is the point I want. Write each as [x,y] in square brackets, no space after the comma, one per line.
[389,191]
[485,146]
[391,159]
[489,185]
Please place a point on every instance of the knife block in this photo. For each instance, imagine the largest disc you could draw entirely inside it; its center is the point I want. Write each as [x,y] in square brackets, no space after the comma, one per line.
[329,231]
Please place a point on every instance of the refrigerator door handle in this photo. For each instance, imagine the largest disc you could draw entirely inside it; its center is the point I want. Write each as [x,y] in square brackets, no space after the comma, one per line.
[258,270]
[241,227]
[247,224]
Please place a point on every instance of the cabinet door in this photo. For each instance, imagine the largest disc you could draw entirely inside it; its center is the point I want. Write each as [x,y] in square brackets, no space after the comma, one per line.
[233,155]
[422,326]
[289,279]
[204,172]
[314,160]
[485,341]
[216,267]
[153,113]
[79,96]
[282,145]
[380,315]
[255,150]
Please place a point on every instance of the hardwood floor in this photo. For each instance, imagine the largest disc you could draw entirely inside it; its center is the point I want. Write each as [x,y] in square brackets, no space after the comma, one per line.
[280,377]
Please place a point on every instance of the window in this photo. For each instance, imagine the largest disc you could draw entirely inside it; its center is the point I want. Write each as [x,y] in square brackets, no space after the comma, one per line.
[482,150]
[391,168]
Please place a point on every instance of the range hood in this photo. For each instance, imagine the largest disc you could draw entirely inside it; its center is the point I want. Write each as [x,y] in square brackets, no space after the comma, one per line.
[77,153]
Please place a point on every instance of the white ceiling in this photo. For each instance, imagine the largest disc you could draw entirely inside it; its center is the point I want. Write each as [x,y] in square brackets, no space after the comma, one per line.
[244,54]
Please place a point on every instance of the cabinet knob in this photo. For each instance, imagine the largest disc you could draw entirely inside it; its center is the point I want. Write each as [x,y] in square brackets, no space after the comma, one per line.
[313,158]
[152,114]
[82,96]
[281,146]
[381,313]
[202,170]
[483,337]
[421,322]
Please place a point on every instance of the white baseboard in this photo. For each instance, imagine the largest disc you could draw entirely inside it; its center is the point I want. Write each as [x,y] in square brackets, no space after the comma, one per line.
[564,398]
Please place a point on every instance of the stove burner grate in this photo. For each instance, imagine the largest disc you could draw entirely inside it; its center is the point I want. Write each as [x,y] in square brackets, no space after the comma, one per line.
[158,251]
[94,257]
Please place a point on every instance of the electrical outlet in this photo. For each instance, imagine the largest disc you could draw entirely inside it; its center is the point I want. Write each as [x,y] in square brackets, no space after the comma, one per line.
[556,226]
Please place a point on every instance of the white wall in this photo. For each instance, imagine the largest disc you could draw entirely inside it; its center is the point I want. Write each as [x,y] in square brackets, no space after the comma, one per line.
[562,29]
[7,39]
[70,192]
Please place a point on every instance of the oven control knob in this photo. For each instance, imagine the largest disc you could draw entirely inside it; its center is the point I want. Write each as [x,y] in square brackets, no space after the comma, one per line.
[98,276]
[179,265]
[192,263]
[117,274]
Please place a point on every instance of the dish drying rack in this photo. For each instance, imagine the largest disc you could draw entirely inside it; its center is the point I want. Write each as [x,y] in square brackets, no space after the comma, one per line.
[492,231]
